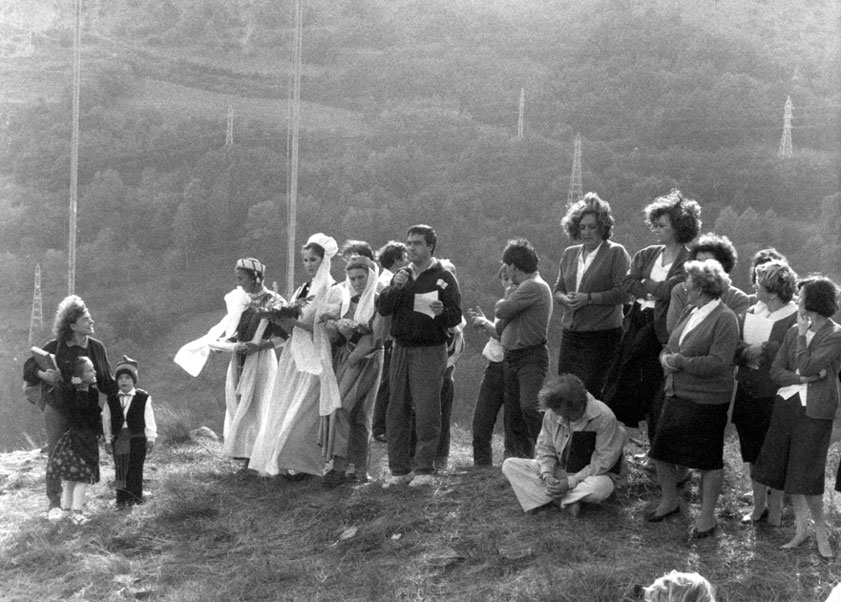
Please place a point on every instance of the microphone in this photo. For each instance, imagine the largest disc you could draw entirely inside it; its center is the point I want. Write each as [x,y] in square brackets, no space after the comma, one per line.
[408,273]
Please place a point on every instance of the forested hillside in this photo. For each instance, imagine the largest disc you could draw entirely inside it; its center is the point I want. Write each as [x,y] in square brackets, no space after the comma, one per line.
[409,115]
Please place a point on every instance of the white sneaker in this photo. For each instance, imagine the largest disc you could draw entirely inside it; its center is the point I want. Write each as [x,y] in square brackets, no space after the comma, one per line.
[398,479]
[422,480]
[55,514]
[79,519]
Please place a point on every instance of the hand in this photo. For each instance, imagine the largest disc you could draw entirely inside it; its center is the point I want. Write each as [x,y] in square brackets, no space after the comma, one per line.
[327,317]
[303,301]
[752,354]
[576,301]
[251,348]
[437,307]
[150,445]
[667,361]
[803,323]
[556,487]
[51,377]
[477,317]
[109,448]
[400,278]
[346,327]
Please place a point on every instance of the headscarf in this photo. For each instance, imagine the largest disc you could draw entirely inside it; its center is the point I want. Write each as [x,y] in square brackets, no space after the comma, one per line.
[254,265]
[366,306]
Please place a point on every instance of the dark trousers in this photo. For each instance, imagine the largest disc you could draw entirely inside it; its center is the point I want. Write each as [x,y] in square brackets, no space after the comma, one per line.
[524,371]
[133,492]
[381,404]
[415,378]
[589,355]
[490,400]
[56,424]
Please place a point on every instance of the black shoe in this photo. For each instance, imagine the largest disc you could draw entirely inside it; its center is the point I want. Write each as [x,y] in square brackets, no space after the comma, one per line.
[333,478]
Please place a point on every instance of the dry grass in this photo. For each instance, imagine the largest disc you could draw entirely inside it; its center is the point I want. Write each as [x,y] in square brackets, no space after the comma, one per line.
[210,533]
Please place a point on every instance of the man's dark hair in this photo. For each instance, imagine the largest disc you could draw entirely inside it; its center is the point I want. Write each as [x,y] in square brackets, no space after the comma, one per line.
[562,392]
[427,232]
[357,247]
[519,253]
[392,252]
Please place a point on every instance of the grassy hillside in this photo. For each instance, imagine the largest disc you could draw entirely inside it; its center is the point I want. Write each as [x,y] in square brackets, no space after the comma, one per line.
[209,533]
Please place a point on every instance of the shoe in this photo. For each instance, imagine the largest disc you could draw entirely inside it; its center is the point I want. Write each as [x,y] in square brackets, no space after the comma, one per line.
[55,514]
[79,519]
[422,480]
[653,517]
[334,478]
[295,476]
[694,533]
[398,479]
[748,518]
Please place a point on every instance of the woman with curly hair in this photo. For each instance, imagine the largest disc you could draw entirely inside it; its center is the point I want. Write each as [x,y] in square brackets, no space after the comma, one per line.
[72,329]
[636,376]
[589,291]
[793,454]
[774,313]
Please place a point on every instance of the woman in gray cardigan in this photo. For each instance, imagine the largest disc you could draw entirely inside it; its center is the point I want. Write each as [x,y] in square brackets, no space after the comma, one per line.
[698,364]
[793,455]
[589,291]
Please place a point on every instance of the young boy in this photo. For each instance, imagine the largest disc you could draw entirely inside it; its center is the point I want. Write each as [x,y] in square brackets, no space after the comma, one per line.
[128,422]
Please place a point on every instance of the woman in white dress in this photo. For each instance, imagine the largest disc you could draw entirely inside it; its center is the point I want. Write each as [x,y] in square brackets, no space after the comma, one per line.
[305,387]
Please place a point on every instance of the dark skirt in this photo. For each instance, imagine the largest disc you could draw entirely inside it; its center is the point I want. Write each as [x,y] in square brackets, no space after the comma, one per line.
[752,417]
[793,455]
[690,434]
[75,457]
[589,355]
[636,374]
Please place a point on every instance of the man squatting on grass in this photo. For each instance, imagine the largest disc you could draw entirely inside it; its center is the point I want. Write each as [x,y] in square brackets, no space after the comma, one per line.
[579,450]
[522,322]
[419,355]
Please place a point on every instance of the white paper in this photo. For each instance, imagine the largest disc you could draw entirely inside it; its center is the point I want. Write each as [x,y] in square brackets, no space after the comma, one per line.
[423,303]
[757,329]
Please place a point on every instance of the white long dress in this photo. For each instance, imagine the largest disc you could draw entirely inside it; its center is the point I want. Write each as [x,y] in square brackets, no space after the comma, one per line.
[288,438]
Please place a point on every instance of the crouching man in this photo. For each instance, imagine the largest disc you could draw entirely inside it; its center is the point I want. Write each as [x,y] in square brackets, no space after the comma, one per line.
[578,451]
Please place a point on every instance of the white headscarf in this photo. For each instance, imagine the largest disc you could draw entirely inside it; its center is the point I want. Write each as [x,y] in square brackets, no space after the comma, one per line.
[367,299]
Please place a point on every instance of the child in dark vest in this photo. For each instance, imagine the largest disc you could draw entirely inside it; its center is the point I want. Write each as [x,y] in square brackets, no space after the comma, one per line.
[75,457]
[130,432]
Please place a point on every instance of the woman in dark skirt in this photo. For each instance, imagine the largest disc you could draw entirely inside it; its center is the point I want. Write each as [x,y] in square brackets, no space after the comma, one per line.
[775,284]
[589,291]
[793,455]
[636,376]
[698,364]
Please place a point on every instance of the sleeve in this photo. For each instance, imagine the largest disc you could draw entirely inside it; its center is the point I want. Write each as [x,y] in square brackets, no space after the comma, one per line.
[389,299]
[676,305]
[780,372]
[740,302]
[151,430]
[30,366]
[451,298]
[545,452]
[104,375]
[106,423]
[632,282]
[610,439]
[662,291]
[809,362]
[619,265]
[724,336]
[520,299]
[560,285]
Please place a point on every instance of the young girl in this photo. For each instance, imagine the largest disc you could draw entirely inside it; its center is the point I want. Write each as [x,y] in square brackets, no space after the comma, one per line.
[75,458]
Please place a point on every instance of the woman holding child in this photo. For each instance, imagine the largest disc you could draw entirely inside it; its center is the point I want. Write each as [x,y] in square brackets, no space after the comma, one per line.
[305,388]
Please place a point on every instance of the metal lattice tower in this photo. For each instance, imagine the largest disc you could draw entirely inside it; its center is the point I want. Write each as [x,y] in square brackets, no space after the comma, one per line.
[520,119]
[229,136]
[786,152]
[576,188]
[36,322]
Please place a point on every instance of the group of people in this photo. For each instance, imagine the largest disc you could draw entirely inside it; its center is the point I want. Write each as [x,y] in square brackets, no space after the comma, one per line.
[662,337]
[70,385]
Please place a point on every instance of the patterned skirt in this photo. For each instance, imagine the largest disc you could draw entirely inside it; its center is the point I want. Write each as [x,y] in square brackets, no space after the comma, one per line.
[75,457]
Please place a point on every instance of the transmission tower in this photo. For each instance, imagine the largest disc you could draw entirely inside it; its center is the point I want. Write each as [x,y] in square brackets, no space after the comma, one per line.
[576,189]
[520,121]
[36,322]
[229,137]
[786,151]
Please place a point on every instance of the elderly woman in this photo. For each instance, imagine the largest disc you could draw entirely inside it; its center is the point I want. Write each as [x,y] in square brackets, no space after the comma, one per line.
[305,388]
[636,375]
[710,246]
[763,328]
[357,340]
[589,291]
[72,329]
[253,366]
[793,455]
[698,364]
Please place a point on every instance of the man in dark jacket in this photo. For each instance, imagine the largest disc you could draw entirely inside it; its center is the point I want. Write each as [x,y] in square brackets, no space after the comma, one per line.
[423,301]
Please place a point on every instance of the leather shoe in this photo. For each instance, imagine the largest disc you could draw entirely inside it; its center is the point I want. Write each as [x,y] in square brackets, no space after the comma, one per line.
[653,517]
[694,533]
